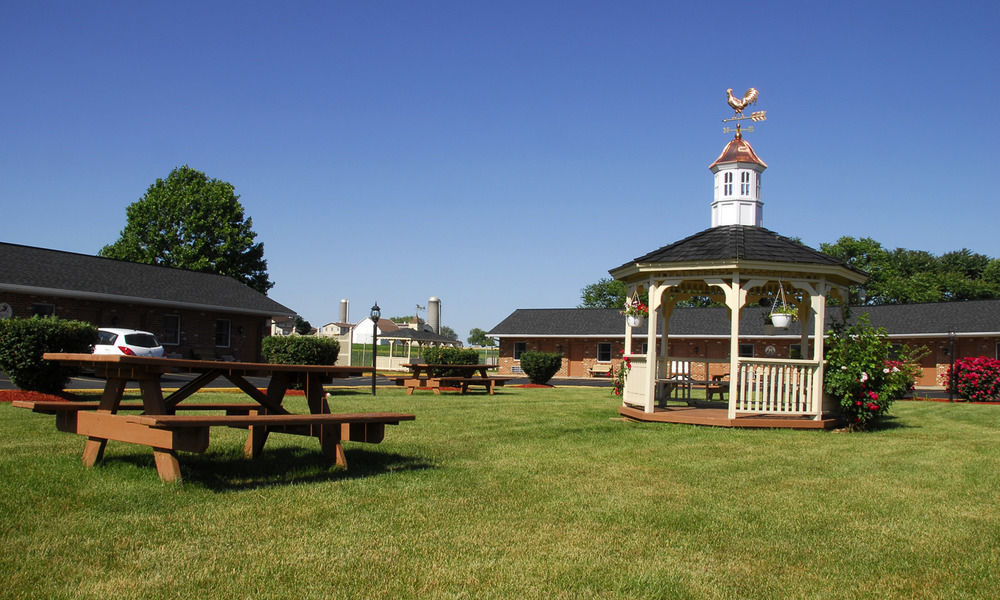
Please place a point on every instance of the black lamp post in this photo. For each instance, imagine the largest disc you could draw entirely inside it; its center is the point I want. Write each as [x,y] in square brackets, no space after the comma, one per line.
[375,314]
[951,366]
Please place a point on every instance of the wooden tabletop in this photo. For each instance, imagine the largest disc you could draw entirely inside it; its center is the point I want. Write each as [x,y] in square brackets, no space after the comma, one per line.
[162,364]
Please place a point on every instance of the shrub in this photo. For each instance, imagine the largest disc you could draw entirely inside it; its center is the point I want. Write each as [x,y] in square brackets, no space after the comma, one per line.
[447,355]
[23,341]
[540,366]
[300,350]
[861,374]
[976,379]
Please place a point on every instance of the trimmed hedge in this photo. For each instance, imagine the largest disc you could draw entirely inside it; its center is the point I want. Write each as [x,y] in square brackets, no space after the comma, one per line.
[447,355]
[23,341]
[540,366]
[300,350]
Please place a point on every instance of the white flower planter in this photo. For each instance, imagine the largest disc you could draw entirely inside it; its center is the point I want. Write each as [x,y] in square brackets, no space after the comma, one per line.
[781,320]
[634,320]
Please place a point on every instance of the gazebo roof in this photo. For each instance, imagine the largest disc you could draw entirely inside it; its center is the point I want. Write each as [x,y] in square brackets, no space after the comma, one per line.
[737,243]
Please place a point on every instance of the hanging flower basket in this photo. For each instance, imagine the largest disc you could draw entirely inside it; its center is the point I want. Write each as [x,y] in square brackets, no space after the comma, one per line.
[635,311]
[781,320]
[782,314]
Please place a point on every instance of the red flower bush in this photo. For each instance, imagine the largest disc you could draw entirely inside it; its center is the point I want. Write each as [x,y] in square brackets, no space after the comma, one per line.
[976,379]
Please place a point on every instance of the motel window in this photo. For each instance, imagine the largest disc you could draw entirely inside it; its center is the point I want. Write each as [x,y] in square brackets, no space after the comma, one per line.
[727,189]
[171,330]
[745,183]
[604,352]
[43,310]
[795,351]
[222,327]
[519,349]
[746,350]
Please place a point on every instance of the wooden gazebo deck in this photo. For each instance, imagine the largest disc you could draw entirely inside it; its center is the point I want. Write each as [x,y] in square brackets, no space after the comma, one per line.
[705,414]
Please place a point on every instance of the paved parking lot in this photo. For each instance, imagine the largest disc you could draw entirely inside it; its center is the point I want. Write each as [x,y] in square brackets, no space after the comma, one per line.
[176,380]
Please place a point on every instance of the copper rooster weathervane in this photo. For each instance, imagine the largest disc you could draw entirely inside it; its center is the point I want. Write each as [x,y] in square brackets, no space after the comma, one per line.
[739,105]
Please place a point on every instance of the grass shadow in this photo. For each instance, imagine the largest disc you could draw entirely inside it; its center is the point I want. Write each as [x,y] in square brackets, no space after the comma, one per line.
[230,471]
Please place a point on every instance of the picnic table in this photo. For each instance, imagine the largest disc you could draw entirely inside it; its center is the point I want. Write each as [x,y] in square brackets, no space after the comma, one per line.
[679,387]
[166,432]
[427,376]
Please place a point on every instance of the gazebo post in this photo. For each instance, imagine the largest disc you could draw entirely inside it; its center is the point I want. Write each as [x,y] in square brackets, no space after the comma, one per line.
[734,299]
[652,325]
[819,343]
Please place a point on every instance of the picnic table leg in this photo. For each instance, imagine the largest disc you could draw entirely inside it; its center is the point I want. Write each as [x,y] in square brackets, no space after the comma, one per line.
[257,434]
[255,440]
[167,465]
[329,441]
[93,450]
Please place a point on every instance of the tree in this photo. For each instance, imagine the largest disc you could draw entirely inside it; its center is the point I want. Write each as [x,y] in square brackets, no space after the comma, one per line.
[448,332]
[904,276]
[192,222]
[478,337]
[302,327]
[606,293]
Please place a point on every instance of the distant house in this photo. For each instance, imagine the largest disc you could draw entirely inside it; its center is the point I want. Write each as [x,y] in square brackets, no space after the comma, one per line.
[589,337]
[193,314]
[363,330]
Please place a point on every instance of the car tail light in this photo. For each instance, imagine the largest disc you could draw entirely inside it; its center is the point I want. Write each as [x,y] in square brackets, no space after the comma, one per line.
[126,350]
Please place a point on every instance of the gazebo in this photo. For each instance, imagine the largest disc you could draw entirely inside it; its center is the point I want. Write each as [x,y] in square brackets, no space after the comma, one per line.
[736,262]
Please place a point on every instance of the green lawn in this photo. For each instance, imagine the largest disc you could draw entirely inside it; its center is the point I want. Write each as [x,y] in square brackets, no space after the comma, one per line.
[532,493]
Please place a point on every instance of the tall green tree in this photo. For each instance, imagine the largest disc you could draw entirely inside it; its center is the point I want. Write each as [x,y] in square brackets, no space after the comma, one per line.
[192,222]
[605,293]
[449,333]
[478,337]
[903,276]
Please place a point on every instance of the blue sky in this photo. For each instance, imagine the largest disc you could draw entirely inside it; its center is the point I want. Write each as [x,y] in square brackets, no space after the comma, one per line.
[498,155]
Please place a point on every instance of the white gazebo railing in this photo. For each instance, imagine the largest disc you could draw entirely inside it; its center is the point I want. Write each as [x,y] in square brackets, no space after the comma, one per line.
[776,386]
[636,390]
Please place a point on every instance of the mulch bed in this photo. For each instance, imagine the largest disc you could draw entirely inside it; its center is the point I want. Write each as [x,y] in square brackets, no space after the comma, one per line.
[11,395]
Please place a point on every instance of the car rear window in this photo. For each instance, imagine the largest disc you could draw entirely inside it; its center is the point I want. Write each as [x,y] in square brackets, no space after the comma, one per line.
[142,340]
[106,338]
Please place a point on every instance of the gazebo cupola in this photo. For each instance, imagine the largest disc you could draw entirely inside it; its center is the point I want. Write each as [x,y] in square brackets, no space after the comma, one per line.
[737,172]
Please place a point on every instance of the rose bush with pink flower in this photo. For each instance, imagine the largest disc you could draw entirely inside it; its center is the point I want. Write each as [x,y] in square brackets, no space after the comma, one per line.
[865,373]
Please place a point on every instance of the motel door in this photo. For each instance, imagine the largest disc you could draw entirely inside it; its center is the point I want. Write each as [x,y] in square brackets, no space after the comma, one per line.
[576,350]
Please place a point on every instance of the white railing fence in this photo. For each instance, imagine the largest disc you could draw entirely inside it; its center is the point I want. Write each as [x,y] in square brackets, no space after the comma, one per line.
[778,386]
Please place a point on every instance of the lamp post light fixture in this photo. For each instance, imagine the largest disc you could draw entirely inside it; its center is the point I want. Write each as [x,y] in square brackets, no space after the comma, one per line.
[375,314]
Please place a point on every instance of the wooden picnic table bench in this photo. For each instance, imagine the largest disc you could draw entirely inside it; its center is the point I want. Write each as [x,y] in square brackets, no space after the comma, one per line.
[166,432]
[427,376]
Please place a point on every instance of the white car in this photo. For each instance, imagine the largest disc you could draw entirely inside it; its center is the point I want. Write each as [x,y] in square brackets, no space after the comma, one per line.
[130,342]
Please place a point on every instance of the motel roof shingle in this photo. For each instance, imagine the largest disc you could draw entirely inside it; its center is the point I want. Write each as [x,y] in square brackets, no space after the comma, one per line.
[26,269]
[900,320]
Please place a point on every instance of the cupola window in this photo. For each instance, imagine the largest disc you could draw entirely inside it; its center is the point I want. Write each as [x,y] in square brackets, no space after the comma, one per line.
[745,183]
[727,188]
